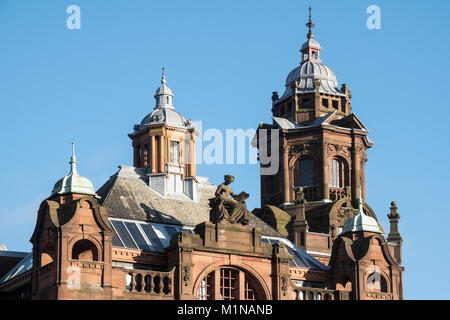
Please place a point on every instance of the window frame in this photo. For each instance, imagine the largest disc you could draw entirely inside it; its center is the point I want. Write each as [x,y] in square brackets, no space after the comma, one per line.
[171,153]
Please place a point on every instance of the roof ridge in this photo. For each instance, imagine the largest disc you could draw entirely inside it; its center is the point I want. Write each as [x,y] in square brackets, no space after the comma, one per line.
[112,181]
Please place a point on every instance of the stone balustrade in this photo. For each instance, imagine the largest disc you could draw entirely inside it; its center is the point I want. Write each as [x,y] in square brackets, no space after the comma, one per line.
[304,293]
[148,282]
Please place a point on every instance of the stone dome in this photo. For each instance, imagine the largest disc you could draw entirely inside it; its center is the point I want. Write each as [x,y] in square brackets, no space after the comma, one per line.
[163,115]
[73,182]
[3,247]
[306,73]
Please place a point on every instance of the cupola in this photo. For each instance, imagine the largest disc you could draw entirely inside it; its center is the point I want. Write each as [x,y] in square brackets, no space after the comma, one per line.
[164,94]
[361,222]
[73,182]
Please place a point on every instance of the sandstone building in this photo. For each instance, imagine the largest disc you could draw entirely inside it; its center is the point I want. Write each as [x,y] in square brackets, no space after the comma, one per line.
[158,231]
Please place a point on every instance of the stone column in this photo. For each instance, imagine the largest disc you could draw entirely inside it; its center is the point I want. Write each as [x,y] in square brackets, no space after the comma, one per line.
[363,178]
[356,165]
[192,166]
[153,154]
[161,154]
[287,188]
[317,103]
[326,173]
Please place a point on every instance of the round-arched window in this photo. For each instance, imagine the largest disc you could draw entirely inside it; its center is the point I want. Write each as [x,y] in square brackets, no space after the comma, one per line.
[335,173]
[338,173]
[376,282]
[84,250]
[229,284]
[304,173]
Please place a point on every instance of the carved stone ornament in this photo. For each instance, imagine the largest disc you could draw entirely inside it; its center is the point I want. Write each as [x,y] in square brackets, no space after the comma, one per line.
[186,275]
[229,206]
[303,148]
[337,149]
[284,285]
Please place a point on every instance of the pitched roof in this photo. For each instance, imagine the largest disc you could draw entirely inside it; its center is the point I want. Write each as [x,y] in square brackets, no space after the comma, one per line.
[126,195]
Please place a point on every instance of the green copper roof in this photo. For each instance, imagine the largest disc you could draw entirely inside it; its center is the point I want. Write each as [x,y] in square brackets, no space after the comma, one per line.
[361,222]
[73,182]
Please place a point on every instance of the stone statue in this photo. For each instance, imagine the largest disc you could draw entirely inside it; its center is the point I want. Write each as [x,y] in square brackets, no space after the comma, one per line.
[229,206]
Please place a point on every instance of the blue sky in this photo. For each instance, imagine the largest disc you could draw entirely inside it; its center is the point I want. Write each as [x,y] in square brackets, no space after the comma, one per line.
[223,60]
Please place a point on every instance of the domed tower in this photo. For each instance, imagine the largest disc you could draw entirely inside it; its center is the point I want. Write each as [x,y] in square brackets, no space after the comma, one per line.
[164,144]
[311,88]
[321,153]
[72,243]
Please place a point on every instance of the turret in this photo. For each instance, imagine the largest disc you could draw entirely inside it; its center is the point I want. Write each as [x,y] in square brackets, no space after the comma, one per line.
[164,144]
[72,242]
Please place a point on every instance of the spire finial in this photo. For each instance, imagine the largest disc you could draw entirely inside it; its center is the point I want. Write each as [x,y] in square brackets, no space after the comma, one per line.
[73,160]
[163,77]
[360,202]
[310,25]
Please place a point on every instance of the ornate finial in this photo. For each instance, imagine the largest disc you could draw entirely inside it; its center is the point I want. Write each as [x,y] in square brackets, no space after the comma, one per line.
[394,215]
[310,25]
[163,77]
[394,234]
[360,202]
[73,160]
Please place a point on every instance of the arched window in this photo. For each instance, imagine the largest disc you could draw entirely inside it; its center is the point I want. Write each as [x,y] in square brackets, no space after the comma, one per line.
[338,173]
[376,282]
[84,250]
[229,284]
[335,174]
[305,173]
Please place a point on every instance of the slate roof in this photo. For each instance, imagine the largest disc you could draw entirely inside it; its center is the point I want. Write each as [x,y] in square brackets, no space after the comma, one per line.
[126,195]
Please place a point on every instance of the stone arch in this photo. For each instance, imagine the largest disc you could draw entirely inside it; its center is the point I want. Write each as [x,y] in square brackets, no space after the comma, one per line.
[302,154]
[246,269]
[377,280]
[295,170]
[87,249]
[338,151]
